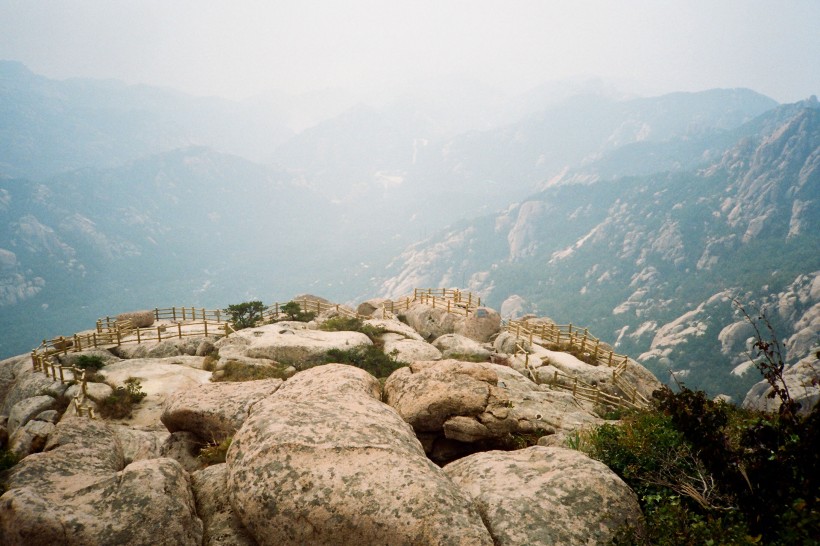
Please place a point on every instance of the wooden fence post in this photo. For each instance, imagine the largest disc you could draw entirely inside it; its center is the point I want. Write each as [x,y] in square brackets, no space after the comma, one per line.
[159,333]
[156,313]
[179,329]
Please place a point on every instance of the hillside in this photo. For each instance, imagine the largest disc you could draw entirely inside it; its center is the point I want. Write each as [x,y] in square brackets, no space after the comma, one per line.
[652,262]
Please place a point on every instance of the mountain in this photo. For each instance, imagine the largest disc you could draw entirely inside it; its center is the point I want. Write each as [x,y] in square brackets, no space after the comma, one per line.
[188,225]
[50,126]
[651,263]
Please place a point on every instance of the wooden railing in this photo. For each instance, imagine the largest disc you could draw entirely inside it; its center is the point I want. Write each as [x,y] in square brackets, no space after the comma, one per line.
[568,336]
[565,336]
[116,332]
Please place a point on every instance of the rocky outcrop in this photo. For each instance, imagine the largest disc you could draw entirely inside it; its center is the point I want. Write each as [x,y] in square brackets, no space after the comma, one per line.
[433,322]
[546,495]
[139,319]
[456,345]
[462,407]
[78,491]
[409,350]
[159,378]
[282,343]
[215,411]
[802,381]
[480,325]
[340,467]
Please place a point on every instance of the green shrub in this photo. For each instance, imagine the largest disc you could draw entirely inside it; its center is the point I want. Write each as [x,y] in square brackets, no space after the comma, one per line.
[91,363]
[240,371]
[7,460]
[214,453]
[294,312]
[368,357]
[246,314]
[352,324]
[121,402]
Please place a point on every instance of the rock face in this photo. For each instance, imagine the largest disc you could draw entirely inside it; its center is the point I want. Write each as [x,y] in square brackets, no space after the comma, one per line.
[340,467]
[213,506]
[461,407]
[215,411]
[78,491]
[285,344]
[546,495]
[803,382]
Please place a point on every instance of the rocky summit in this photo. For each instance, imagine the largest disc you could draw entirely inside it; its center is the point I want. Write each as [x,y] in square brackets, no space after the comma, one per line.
[271,435]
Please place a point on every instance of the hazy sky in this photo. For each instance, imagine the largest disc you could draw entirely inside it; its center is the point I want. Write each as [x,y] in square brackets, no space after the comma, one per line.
[239,48]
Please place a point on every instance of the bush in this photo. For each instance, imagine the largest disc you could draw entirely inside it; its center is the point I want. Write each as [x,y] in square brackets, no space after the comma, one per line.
[707,472]
[7,460]
[294,312]
[121,402]
[240,371]
[369,358]
[91,363]
[214,453]
[352,324]
[246,314]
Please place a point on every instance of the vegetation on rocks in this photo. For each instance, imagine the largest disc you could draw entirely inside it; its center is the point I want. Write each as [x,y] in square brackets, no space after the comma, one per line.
[370,358]
[707,472]
[293,311]
[236,370]
[91,363]
[121,402]
[352,324]
[214,453]
[246,314]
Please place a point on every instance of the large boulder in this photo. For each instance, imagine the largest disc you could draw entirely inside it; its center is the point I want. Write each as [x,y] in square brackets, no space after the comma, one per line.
[409,350]
[78,491]
[139,319]
[159,378]
[458,407]
[393,326]
[323,461]
[457,346]
[284,344]
[213,505]
[162,349]
[480,325]
[215,411]
[432,322]
[22,382]
[139,442]
[373,308]
[30,438]
[546,495]
[25,410]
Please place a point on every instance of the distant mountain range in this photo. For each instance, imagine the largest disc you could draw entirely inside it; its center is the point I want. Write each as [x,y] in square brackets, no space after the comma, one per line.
[636,217]
[653,261]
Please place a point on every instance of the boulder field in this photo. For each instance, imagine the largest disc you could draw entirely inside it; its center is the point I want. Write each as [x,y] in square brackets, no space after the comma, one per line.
[323,454]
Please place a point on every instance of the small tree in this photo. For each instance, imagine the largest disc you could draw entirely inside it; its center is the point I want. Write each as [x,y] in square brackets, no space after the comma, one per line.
[246,314]
[294,312]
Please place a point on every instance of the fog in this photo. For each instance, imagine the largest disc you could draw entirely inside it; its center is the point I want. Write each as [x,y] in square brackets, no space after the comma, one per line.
[378,50]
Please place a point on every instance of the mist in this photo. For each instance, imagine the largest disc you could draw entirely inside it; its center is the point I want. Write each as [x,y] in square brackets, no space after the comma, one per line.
[377,51]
